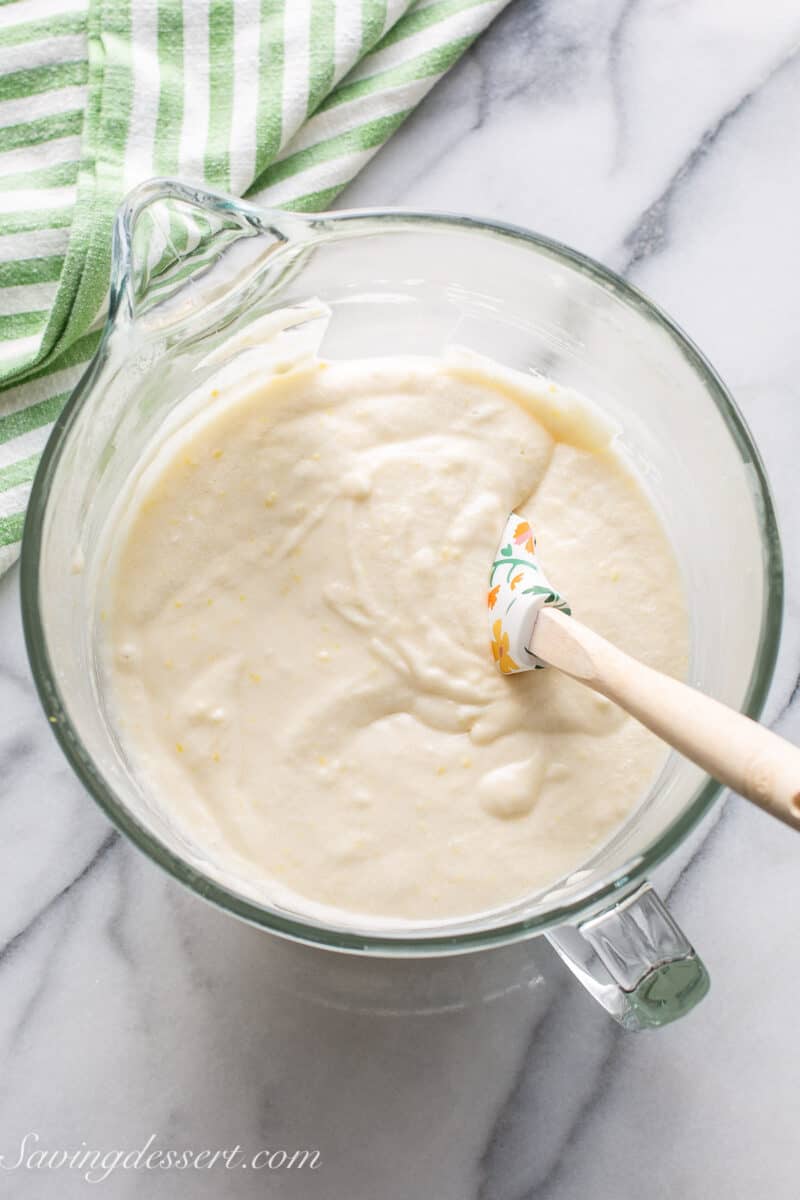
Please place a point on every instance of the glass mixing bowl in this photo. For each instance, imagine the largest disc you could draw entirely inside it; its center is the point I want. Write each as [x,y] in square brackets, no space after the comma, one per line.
[191,272]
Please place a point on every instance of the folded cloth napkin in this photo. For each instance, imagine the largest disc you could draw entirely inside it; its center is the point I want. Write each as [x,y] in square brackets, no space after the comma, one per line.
[279,100]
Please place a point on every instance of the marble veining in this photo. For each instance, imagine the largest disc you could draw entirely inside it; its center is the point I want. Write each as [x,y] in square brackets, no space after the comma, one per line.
[663,137]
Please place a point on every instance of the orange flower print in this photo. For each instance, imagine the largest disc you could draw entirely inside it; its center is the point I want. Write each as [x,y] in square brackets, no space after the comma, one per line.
[516,580]
[523,536]
[500,652]
[491,599]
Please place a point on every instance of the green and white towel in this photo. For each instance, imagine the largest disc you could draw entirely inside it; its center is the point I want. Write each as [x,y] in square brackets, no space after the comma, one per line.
[280,100]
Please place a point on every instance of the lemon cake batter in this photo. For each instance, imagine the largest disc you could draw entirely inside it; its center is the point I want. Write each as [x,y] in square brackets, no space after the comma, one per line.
[297,633]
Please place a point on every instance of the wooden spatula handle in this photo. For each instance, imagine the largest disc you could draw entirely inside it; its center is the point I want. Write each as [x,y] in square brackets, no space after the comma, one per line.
[737,751]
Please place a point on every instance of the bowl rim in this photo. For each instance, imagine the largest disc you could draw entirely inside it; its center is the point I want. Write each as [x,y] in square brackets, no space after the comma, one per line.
[603,892]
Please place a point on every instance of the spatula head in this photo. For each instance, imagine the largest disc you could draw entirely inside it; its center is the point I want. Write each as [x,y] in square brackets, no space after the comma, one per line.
[518,591]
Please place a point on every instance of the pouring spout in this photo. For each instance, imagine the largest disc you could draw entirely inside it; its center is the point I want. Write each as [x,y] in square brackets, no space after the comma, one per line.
[168,234]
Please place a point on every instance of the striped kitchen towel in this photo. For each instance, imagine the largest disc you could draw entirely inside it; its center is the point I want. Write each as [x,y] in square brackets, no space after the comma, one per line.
[280,100]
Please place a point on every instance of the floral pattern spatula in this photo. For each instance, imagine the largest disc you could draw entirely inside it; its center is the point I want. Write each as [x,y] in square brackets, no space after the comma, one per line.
[532,627]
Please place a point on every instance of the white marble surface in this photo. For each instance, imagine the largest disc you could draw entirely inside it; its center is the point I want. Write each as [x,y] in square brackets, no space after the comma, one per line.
[662,136]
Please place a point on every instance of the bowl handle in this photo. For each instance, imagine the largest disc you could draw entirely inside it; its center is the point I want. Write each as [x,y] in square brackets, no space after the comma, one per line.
[635,960]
